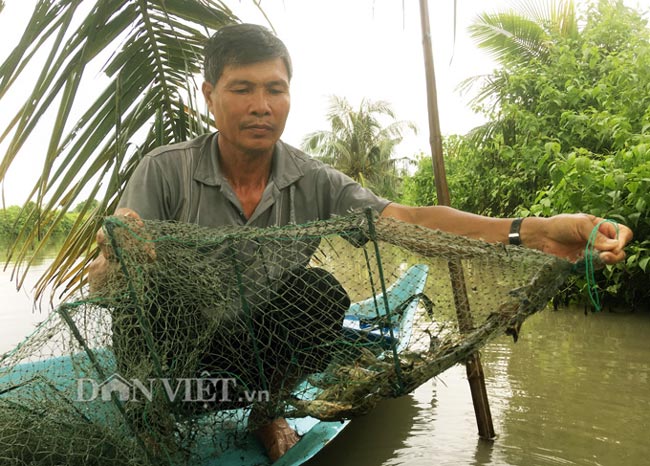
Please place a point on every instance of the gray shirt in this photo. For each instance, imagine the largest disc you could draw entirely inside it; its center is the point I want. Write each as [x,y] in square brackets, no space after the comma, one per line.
[183,182]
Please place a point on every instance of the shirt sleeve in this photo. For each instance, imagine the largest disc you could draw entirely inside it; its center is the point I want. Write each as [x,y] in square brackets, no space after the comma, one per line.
[342,195]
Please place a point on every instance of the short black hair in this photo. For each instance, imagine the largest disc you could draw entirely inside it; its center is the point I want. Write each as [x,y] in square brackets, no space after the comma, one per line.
[241,44]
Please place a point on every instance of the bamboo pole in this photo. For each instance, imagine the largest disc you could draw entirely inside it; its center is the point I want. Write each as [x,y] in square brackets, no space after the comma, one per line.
[475,375]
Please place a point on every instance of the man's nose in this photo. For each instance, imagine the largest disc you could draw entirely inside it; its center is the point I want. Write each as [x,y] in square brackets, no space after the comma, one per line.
[260,103]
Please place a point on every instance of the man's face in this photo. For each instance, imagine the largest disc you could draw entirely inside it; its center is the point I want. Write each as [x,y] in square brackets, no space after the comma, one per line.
[250,105]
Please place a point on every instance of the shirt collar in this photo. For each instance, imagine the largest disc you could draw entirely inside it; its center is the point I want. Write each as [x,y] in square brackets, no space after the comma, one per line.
[285,167]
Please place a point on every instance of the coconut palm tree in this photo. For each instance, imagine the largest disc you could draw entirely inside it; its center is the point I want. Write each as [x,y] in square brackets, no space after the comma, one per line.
[150,50]
[359,145]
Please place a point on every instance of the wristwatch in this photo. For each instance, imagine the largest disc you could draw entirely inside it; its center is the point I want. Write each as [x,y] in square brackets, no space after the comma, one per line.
[514,237]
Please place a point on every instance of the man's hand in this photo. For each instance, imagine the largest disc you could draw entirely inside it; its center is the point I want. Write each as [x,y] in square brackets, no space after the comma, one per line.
[566,235]
[99,268]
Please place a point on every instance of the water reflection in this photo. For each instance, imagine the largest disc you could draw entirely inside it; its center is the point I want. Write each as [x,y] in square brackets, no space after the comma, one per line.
[19,315]
[572,391]
[579,391]
[375,438]
[45,255]
[444,432]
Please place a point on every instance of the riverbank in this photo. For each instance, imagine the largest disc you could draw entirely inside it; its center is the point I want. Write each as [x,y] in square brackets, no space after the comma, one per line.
[14,219]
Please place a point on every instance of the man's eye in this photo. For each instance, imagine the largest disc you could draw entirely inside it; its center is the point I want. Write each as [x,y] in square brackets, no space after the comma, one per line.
[243,90]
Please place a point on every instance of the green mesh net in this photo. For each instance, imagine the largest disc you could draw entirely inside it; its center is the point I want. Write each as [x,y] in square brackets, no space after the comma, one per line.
[200,335]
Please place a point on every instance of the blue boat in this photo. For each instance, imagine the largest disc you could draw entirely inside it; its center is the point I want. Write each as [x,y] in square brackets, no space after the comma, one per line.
[387,320]
[358,323]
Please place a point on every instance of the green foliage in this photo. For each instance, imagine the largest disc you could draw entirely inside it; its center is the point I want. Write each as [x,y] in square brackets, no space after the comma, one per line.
[567,133]
[602,151]
[15,219]
[419,189]
[615,186]
[489,179]
[86,206]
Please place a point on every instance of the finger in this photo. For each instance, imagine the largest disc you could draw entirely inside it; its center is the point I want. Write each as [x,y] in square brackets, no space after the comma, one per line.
[151,251]
[105,248]
[612,257]
[609,229]
[130,215]
[100,237]
[605,243]
[625,234]
[126,212]
[613,239]
[97,273]
[134,220]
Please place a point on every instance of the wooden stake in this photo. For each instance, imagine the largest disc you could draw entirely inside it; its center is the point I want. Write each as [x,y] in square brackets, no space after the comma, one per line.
[475,374]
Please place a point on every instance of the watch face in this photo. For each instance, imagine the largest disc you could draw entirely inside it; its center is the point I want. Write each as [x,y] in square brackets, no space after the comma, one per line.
[513,236]
[514,239]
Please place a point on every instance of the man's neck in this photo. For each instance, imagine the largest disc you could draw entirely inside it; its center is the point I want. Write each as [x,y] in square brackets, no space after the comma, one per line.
[243,169]
[246,173]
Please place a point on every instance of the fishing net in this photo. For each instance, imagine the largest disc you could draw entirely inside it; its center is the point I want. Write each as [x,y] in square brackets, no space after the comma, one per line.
[197,336]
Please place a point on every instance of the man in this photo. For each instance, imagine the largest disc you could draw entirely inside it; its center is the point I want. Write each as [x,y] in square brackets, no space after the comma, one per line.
[244,175]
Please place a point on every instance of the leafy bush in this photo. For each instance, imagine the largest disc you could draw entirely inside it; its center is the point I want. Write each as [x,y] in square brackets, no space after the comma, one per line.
[567,133]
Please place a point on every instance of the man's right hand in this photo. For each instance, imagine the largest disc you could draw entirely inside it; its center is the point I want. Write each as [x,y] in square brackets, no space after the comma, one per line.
[99,268]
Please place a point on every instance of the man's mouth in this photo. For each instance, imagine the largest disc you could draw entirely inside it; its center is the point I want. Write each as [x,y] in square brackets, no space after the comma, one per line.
[259,127]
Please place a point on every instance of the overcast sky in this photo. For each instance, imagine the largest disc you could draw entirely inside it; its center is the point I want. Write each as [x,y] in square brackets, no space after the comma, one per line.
[352,49]
[373,49]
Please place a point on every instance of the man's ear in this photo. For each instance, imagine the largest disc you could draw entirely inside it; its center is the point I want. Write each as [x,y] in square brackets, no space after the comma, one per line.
[206,87]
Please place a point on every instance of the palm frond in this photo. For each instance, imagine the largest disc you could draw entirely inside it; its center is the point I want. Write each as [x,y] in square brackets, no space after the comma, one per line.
[520,35]
[156,49]
[510,38]
[484,132]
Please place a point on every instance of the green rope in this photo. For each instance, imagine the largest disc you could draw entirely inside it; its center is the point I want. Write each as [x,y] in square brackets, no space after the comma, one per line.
[590,254]
[373,237]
